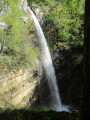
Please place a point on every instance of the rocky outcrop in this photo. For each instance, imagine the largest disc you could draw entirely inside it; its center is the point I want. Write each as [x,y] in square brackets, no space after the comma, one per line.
[24,4]
[39,14]
[16,87]
[68,68]
[67,60]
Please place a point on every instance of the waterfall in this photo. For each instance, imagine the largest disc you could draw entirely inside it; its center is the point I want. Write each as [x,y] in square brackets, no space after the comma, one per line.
[55,103]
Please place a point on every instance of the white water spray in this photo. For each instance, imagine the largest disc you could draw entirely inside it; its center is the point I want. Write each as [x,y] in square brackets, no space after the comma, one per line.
[48,65]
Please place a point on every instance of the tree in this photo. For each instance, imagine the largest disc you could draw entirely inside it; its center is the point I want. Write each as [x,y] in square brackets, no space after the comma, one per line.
[17,36]
[86,79]
[12,18]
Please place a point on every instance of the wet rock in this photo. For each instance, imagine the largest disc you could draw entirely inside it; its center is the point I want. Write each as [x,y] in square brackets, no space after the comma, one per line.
[68,68]
[38,13]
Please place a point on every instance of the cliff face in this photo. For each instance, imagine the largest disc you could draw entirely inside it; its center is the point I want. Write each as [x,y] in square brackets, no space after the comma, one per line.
[16,88]
[68,68]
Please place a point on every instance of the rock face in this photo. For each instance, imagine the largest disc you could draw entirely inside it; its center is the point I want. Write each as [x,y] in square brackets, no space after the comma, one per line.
[38,13]
[17,88]
[24,4]
[68,68]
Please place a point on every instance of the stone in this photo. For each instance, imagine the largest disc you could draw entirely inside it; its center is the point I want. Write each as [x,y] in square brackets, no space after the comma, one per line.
[24,4]
[15,85]
[38,13]
[2,25]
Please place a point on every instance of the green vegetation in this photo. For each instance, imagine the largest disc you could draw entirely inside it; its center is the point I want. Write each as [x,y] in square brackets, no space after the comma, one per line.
[64,20]
[67,17]
[16,37]
[69,21]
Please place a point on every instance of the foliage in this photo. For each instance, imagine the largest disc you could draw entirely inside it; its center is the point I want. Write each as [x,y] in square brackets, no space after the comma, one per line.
[67,17]
[12,17]
[16,36]
[38,1]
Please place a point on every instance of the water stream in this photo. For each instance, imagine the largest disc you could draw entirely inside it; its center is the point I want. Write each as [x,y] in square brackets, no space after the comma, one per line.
[55,102]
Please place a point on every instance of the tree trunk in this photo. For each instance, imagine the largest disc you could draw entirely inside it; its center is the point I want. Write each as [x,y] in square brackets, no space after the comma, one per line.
[86,78]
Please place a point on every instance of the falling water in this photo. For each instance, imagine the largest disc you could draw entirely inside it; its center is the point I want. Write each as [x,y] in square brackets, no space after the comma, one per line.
[48,65]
